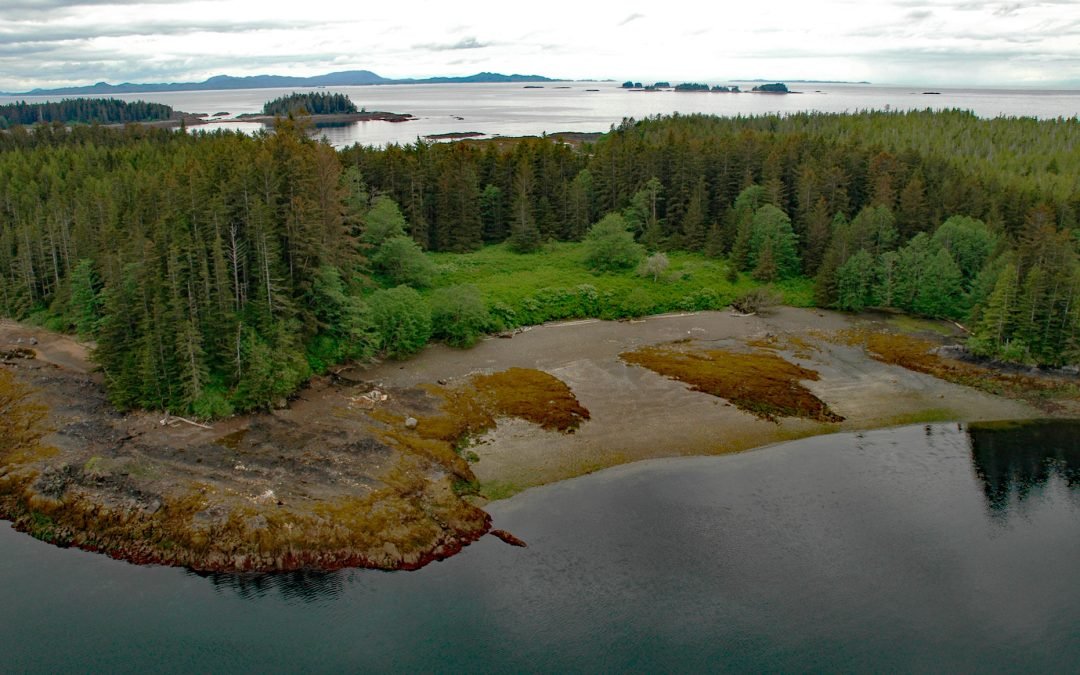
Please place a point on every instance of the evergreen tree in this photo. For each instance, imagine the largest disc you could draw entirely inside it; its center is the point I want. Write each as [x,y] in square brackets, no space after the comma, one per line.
[84,309]
[969,241]
[941,293]
[693,221]
[492,214]
[856,281]
[771,234]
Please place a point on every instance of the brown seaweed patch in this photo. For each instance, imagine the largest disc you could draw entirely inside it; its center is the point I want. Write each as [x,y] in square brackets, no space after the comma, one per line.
[532,395]
[918,354]
[761,383]
[22,424]
[472,407]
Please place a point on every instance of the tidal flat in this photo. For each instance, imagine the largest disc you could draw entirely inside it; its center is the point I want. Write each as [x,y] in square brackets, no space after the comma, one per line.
[390,465]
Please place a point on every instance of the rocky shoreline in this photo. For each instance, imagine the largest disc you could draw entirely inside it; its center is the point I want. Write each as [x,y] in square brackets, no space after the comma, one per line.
[340,118]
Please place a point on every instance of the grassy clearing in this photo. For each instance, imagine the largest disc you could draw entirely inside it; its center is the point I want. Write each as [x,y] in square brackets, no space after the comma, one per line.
[554,284]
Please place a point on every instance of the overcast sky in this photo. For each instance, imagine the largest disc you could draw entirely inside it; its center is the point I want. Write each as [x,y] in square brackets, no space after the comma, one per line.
[48,43]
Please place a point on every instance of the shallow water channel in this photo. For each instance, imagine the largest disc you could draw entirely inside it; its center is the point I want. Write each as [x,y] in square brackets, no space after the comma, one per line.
[942,547]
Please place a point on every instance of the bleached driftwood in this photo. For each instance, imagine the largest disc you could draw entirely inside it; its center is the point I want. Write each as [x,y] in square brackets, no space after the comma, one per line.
[172,419]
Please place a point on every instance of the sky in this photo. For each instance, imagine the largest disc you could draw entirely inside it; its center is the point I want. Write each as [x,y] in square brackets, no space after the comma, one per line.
[51,43]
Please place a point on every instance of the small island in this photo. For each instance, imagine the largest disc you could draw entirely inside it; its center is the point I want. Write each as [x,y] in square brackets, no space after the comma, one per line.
[320,107]
[774,88]
[90,111]
[453,135]
[698,87]
[682,87]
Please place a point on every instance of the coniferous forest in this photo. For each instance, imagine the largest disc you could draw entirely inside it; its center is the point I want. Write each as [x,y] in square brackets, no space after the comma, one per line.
[217,272]
[310,103]
[83,111]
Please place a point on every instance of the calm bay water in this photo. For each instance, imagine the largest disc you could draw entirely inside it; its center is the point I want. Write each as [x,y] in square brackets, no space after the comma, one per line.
[512,110]
[921,548]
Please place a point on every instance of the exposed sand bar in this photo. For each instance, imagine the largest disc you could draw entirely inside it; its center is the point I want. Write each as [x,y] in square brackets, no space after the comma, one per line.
[638,414]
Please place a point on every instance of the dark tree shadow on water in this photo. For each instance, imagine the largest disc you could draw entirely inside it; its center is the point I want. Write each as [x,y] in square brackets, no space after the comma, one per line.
[305,586]
[1015,461]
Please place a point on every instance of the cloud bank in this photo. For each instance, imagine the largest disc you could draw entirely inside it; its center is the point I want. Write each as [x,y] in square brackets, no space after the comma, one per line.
[48,43]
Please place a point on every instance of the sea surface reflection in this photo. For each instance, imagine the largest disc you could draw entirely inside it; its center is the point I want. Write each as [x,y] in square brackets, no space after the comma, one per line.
[925,548]
[1018,461]
[305,586]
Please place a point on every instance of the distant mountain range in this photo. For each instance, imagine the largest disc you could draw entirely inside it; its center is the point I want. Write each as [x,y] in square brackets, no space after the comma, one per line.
[347,78]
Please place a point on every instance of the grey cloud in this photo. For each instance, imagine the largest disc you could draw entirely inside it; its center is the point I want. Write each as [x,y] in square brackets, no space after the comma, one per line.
[633,17]
[46,5]
[464,43]
[1000,9]
[45,9]
[80,66]
[962,58]
[25,33]
[919,15]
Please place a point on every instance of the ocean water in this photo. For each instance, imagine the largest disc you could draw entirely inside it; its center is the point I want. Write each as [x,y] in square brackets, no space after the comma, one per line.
[926,548]
[513,110]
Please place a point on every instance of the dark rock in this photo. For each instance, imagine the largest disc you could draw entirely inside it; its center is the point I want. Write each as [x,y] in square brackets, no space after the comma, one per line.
[53,481]
[509,538]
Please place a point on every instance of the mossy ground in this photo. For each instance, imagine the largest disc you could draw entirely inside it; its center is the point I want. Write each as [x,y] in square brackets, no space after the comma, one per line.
[758,382]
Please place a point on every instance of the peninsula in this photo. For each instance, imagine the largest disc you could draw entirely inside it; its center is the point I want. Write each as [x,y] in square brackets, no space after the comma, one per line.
[229,351]
[379,466]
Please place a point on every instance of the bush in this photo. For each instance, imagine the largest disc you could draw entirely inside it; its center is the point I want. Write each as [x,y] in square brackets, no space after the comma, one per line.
[459,315]
[636,303]
[654,266]
[211,404]
[402,261]
[610,246]
[759,300]
[273,368]
[402,320]
[701,300]
[383,221]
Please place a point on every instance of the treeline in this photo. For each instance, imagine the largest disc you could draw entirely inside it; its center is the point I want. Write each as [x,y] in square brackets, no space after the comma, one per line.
[212,271]
[312,103]
[83,111]
[829,181]
[218,272]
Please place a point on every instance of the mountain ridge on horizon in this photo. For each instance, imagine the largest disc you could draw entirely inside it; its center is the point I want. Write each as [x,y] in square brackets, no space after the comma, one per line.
[345,78]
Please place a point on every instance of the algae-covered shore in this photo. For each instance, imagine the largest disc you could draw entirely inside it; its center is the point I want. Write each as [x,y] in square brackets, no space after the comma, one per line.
[389,465]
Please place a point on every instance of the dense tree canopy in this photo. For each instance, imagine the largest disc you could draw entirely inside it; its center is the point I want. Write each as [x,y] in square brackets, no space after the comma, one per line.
[310,103]
[217,272]
[82,110]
